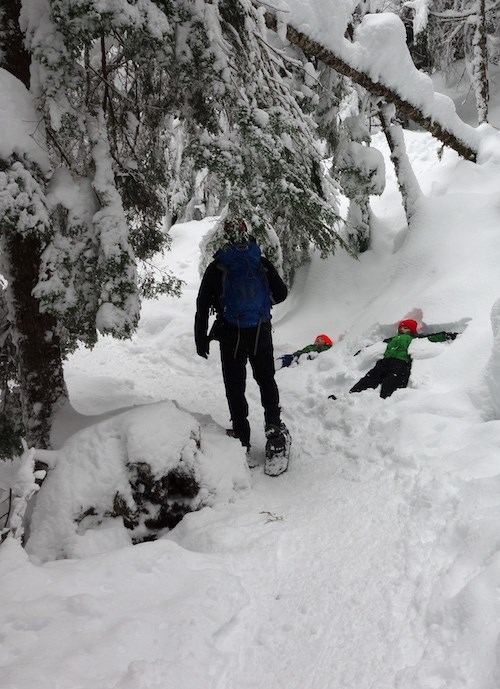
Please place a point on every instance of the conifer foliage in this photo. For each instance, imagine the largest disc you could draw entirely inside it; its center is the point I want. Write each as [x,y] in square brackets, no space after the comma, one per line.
[206,64]
[110,80]
[256,142]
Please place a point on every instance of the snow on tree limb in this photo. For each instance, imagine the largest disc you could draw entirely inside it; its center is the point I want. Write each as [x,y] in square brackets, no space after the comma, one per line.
[433,112]
[120,307]
[24,488]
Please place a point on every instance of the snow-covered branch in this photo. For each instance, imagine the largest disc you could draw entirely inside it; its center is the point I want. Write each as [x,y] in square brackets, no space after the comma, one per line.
[24,488]
[429,110]
[454,15]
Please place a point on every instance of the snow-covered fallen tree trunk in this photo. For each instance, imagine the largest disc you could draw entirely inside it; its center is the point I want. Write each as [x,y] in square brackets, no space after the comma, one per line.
[433,112]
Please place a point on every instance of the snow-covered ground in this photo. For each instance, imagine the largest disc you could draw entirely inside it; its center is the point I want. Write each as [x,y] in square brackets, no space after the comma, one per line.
[374,562]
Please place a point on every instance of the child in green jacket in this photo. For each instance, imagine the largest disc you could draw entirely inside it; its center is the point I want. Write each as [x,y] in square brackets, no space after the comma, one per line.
[321,344]
[393,370]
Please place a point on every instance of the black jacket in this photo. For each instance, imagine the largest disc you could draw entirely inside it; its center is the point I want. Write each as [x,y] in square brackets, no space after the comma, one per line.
[210,294]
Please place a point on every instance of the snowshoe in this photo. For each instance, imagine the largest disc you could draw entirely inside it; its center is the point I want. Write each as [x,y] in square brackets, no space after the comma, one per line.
[277,449]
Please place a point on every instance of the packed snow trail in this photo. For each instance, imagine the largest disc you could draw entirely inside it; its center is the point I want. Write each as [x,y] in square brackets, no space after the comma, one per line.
[336,571]
[330,564]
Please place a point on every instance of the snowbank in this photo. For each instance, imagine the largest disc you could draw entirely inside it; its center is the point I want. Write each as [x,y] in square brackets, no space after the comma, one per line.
[130,477]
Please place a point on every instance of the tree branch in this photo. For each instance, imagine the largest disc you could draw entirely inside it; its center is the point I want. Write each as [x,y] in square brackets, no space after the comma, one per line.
[460,16]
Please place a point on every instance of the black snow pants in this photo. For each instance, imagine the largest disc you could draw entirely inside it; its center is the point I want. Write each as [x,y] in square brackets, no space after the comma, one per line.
[391,374]
[237,347]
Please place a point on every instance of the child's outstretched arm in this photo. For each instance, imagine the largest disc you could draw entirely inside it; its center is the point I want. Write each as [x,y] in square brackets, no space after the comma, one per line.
[285,360]
[440,337]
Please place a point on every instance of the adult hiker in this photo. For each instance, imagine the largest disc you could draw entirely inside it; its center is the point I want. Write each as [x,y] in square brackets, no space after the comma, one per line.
[320,344]
[393,370]
[241,286]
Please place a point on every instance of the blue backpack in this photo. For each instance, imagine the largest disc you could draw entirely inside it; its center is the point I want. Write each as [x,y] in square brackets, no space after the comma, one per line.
[246,297]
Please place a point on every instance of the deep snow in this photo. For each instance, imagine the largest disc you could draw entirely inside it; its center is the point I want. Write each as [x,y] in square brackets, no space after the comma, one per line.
[374,562]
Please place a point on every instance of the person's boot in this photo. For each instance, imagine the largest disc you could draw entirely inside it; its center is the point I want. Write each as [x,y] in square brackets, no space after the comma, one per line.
[276,430]
[240,430]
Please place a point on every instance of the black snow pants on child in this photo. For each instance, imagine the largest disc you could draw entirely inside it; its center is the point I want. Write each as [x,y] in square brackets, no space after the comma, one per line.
[391,374]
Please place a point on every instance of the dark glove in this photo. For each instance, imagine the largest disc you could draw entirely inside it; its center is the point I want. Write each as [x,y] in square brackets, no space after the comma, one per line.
[286,360]
[202,348]
[216,331]
[451,336]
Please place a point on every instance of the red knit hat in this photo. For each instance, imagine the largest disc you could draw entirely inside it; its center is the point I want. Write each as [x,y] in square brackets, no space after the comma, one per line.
[327,339]
[410,324]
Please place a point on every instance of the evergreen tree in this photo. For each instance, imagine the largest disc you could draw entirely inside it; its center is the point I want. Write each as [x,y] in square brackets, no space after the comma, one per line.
[206,70]
[11,429]
[25,227]
[456,31]
[257,144]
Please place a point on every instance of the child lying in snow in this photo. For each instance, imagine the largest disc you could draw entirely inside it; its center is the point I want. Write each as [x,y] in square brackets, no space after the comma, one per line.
[393,370]
[321,344]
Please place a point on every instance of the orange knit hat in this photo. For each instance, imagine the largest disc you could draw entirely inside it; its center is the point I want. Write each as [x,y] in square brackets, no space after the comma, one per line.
[327,339]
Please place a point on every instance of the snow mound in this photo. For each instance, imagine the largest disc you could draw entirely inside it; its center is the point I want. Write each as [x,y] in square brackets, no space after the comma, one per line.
[131,477]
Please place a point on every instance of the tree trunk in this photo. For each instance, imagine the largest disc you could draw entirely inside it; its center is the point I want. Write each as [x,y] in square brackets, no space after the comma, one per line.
[314,49]
[38,350]
[16,59]
[480,62]
[358,223]
[407,181]
[39,359]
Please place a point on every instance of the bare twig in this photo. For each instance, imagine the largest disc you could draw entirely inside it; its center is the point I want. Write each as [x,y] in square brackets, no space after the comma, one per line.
[7,514]
[272,517]
[56,143]
[119,94]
